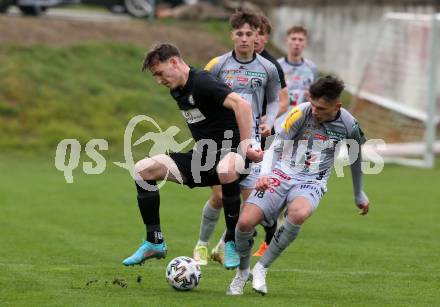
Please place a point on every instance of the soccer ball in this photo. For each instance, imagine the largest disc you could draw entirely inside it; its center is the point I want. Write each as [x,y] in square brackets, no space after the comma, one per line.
[183,273]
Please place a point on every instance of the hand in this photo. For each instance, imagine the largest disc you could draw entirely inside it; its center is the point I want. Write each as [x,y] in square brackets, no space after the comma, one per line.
[263,183]
[255,155]
[364,208]
[265,130]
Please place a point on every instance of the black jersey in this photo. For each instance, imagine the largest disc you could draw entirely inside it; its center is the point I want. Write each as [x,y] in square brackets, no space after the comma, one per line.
[201,101]
[269,57]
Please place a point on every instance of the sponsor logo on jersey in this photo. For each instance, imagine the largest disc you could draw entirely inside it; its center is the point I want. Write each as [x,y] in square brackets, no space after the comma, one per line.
[310,125]
[321,137]
[193,116]
[256,83]
[242,81]
[230,71]
[255,74]
[307,132]
[335,134]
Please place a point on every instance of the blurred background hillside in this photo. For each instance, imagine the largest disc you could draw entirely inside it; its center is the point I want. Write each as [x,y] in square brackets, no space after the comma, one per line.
[74,72]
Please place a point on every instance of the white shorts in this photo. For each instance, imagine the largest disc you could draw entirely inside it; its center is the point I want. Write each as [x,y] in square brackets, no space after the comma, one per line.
[251,179]
[284,189]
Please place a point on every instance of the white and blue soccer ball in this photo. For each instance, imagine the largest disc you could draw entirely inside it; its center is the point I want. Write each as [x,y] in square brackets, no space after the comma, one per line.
[183,273]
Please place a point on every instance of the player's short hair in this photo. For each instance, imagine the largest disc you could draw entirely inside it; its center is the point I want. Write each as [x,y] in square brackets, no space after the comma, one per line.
[159,53]
[297,29]
[266,26]
[239,18]
[328,88]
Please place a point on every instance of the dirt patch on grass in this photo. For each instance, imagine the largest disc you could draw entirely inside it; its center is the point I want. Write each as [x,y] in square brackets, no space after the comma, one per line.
[194,42]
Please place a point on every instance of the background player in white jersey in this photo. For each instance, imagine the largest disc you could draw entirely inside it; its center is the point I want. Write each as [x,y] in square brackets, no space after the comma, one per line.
[256,80]
[295,172]
[299,72]
[260,43]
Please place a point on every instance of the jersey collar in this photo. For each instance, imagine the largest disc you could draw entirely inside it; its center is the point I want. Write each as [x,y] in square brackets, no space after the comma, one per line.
[336,118]
[241,62]
[294,64]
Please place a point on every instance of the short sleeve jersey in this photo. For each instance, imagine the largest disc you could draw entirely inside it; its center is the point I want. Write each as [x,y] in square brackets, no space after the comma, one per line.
[201,102]
[298,78]
[311,154]
[255,81]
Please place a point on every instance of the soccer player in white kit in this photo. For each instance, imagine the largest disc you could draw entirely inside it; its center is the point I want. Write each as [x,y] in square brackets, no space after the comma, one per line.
[294,174]
[299,72]
[256,80]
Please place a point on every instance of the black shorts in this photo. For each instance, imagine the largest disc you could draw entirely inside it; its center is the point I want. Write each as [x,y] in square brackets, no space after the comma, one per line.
[201,178]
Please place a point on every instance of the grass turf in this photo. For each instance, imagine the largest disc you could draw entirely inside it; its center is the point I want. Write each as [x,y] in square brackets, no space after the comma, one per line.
[62,244]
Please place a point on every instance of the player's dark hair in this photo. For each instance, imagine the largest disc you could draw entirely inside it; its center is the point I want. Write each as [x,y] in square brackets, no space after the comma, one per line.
[328,88]
[159,53]
[297,29]
[239,18]
[266,26]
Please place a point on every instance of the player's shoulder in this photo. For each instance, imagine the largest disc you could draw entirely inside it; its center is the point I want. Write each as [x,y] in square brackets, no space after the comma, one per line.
[346,116]
[351,124]
[266,54]
[267,64]
[310,63]
[282,60]
[218,60]
[203,78]
[297,115]
[348,120]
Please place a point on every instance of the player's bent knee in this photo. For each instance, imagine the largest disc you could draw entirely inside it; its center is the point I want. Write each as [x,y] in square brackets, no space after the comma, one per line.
[244,225]
[228,176]
[299,216]
[149,169]
[226,169]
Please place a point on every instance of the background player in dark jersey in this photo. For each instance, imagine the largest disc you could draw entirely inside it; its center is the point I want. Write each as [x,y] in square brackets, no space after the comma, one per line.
[212,111]
[262,39]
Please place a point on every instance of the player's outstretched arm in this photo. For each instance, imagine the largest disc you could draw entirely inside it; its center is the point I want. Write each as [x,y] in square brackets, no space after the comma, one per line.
[243,115]
[361,198]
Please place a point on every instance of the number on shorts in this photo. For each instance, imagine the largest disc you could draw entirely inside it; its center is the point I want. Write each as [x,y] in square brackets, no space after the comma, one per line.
[259,194]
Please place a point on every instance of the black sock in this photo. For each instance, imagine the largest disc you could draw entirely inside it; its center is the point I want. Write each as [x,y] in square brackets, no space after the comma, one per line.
[149,203]
[231,206]
[270,231]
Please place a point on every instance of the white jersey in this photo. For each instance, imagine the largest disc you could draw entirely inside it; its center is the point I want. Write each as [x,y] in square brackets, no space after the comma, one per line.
[254,81]
[305,148]
[298,78]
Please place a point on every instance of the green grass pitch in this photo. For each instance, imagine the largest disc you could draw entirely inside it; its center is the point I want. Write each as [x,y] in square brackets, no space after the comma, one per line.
[62,244]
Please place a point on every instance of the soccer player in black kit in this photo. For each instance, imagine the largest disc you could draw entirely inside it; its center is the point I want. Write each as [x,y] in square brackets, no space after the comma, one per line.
[212,112]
